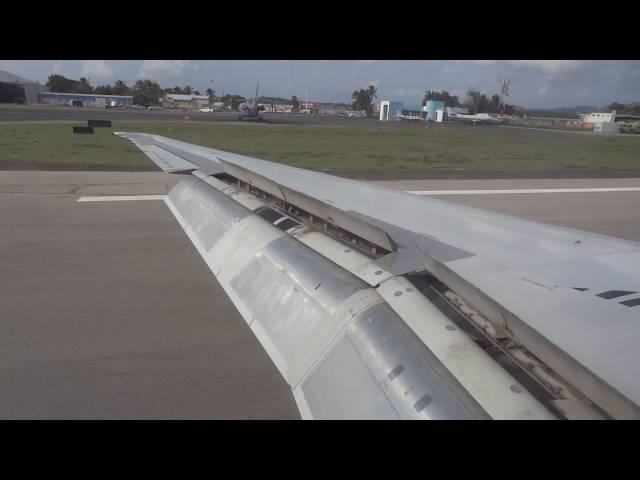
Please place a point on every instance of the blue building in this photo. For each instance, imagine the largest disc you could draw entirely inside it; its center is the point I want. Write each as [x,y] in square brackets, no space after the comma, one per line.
[431,107]
[84,99]
[389,110]
[412,111]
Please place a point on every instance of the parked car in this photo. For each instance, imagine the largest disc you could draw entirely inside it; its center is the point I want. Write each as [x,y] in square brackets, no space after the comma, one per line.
[206,110]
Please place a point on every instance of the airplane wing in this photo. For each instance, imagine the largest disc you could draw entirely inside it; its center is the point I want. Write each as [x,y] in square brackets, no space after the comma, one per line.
[374,303]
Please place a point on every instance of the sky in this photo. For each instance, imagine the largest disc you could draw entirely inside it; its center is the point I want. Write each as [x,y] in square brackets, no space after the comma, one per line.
[534,83]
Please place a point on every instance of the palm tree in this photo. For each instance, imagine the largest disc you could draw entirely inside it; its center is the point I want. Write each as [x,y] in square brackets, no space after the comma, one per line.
[371,93]
[211,94]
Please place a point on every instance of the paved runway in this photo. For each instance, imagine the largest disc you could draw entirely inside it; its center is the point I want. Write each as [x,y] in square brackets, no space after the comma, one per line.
[613,213]
[107,310]
[39,113]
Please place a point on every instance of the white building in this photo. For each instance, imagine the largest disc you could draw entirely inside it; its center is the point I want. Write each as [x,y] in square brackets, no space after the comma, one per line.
[389,110]
[598,117]
[174,100]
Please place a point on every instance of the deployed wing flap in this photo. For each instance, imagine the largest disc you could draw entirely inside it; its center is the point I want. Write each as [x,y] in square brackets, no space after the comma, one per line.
[314,319]
[520,275]
[320,208]
[345,352]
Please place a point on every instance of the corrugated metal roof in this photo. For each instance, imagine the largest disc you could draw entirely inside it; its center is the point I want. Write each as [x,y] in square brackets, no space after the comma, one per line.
[92,95]
[6,77]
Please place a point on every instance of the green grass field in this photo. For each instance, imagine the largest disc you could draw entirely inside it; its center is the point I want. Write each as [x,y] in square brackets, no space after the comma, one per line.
[411,149]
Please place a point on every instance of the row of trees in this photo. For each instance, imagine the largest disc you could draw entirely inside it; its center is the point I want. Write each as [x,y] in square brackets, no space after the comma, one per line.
[144,92]
[476,101]
[58,83]
[363,99]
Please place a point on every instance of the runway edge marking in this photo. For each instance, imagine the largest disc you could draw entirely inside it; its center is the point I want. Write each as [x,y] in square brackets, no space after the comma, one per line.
[523,190]
[121,198]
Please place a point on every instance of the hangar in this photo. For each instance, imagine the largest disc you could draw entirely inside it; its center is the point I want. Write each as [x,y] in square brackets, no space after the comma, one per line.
[15,89]
[85,99]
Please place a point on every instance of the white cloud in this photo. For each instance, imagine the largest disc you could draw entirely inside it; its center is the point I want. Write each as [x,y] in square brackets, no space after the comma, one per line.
[174,68]
[56,69]
[550,67]
[553,67]
[95,68]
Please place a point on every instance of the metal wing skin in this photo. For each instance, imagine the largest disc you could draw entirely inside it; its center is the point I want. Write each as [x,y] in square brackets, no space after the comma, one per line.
[561,304]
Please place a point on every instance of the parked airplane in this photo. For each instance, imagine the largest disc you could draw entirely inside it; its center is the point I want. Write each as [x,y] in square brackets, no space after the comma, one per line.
[353,114]
[474,119]
[379,304]
[411,118]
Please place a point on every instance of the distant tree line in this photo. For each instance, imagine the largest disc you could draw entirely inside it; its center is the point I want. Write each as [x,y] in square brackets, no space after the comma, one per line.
[633,109]
[144,92]
[58,83]
[443,96]
[476,101]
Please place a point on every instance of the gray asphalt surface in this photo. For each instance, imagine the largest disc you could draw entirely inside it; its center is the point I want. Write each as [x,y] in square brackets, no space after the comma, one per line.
[108,312]
[609,213]
[31,113]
